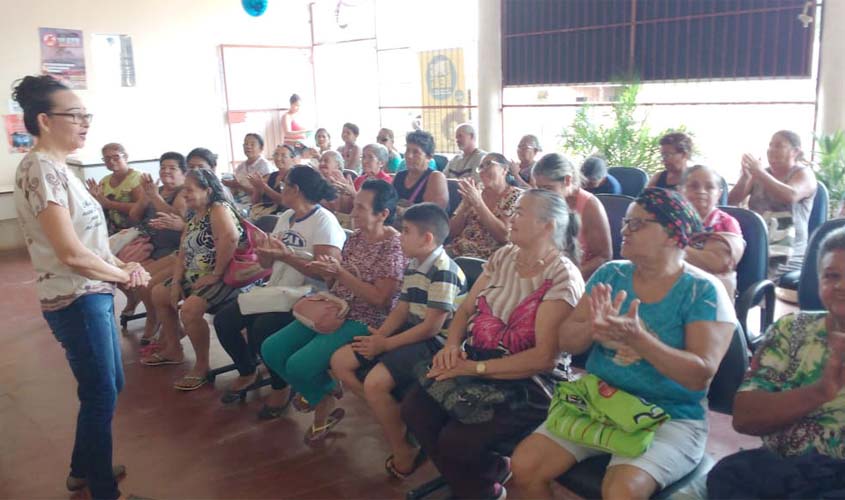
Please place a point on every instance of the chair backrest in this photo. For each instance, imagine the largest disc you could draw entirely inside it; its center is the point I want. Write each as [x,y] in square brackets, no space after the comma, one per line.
[267,223]
[723,200]
[632,179]
[350,173]
[472,268]
[441,161]
[808,285]
[731,370]
[454,195]
[818,214]
[754,265]
[616,205]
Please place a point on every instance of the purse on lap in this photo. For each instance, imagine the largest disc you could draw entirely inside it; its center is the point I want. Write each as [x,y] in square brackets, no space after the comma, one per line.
[323,312]
[244,268]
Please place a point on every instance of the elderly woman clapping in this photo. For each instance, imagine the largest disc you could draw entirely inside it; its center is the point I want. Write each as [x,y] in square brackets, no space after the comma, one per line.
[657,329]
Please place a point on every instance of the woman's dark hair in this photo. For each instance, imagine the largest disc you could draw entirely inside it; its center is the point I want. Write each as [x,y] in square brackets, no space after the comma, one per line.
[835,240]
[678,140]
[257,137]
[205,154]
[206,179]
[177,157]
[328,135]
[294,98]
[34,94]
[385,197]
[311,184]
[423,140]
[594,168]
[352,128]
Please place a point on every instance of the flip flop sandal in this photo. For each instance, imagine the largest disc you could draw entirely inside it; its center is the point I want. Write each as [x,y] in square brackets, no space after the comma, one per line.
[301,404]
[157,359]
[230,396]
[149,348]
[316,434]
[77,483]
[268,412]
[391,469]
[190,383]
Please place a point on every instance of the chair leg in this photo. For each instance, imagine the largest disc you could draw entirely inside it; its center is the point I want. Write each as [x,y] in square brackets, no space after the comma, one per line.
[426,489]
[213,373]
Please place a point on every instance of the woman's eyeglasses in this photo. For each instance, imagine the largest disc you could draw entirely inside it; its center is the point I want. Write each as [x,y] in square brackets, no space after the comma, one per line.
[76,118]
[634,224]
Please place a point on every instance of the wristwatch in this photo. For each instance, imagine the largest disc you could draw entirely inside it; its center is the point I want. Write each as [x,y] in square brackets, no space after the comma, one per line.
[481,368]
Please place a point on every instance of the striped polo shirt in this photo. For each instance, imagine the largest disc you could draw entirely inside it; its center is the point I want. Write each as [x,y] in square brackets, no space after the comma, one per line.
[435,282]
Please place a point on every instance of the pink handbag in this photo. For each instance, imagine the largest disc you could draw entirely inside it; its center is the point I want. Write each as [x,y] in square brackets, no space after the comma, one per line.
[244,268]
[322,312]
[137,250]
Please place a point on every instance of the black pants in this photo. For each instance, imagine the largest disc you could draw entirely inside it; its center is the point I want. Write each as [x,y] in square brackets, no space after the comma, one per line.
[463,452]
[228,324]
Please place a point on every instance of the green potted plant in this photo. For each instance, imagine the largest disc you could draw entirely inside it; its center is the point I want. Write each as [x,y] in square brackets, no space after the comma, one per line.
[830,169]
[625,142]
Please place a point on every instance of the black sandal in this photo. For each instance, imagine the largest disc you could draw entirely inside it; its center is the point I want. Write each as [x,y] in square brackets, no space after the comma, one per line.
[268,412]
[391,469]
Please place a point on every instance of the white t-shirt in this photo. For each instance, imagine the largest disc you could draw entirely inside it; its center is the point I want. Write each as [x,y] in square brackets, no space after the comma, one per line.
[259,166]
[320,227]
[39,181]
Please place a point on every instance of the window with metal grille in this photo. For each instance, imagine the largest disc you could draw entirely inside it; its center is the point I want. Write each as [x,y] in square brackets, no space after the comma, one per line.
[591,41]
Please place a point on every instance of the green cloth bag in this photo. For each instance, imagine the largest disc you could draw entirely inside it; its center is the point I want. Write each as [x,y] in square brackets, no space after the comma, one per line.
[592,413]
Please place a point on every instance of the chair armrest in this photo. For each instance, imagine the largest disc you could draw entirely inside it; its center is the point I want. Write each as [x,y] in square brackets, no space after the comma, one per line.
[762,290]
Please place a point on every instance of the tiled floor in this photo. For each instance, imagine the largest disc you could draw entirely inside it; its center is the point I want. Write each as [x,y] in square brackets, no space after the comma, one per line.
[182,445]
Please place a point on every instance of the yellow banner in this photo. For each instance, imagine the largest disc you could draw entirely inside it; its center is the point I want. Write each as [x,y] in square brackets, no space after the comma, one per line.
[442,74]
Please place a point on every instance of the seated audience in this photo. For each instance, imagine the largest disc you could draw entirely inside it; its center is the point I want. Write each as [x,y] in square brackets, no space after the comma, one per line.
[332,168]
[656,328]
[350,151]
[385,138]
[201,158]
[208,243]
[373,160]
[167,199]
[305,232]
[502,336]
[676,151]
[254,164]
[783,195]
[367,277]
[323,140]
[465,163]
[595,178]
[555,173]
[719,248]
[267,189]
[379,365]
[118,191]
[418,183]
[479,226]
[793,398]
[527,150]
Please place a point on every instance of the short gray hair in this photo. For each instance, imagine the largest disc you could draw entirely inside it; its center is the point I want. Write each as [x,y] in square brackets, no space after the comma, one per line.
[565,221]
[466,127]
[381,152]
[835,240]
[533,141]
[337,156]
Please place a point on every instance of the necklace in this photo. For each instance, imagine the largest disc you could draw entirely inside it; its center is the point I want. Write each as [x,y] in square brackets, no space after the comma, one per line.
[527,268]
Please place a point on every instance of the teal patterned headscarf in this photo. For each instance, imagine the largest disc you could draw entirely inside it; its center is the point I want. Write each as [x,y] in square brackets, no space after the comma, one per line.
[673,212]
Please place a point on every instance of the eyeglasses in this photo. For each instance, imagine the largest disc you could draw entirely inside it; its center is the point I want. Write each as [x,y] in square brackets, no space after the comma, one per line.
[485,166]
[383,139]
[523,147]
[634,224]
[109,158]
[76,118]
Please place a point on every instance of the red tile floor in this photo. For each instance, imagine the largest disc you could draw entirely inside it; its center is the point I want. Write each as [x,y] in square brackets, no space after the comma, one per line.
[183,445]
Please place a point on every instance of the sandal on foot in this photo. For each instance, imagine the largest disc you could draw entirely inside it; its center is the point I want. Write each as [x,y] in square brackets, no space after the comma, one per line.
[147,350]
[268,412]
[77,483]
[315,433]
[190,383]
[232,395]
[301,404]
[156,359]
[391,469]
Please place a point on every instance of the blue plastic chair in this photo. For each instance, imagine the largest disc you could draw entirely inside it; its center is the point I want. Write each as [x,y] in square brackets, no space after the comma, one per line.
[472,268]
[818,215]
[454,196]
[808,285]
[441,161]
[616,206]
[752,283]
[632,179]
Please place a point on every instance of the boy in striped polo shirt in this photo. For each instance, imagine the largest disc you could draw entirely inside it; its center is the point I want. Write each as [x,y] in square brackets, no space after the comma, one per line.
[385,359]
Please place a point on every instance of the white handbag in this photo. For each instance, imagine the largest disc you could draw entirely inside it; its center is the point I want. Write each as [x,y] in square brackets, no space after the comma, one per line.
[265,299]
[122,238]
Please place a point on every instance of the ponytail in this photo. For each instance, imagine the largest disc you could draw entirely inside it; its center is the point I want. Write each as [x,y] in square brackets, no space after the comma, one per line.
[571,247]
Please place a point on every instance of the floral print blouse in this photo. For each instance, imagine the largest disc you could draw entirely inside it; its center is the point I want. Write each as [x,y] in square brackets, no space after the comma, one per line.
[475,240]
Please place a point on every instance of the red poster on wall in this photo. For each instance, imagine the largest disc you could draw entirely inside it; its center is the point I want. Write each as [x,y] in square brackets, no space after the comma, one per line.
[63,56]
[18,138]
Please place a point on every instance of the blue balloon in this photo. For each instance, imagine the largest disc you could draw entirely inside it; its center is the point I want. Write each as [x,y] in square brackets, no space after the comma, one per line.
[254,7]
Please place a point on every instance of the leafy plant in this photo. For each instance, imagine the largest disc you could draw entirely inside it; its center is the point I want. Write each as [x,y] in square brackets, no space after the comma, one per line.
[830,168]
[625,142]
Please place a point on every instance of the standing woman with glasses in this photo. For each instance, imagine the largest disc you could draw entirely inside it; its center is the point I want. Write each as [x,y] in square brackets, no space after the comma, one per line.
[676,151]
[65,233]
[120,190]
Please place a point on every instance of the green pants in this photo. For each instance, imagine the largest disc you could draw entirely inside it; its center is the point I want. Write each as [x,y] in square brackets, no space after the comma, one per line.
[301,356]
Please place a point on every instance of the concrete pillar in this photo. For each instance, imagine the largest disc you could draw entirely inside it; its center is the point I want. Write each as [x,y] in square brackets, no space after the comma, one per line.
[490,75]
[832,71]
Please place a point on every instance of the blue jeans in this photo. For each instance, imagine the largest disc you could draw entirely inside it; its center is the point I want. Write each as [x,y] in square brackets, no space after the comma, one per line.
[88,333]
